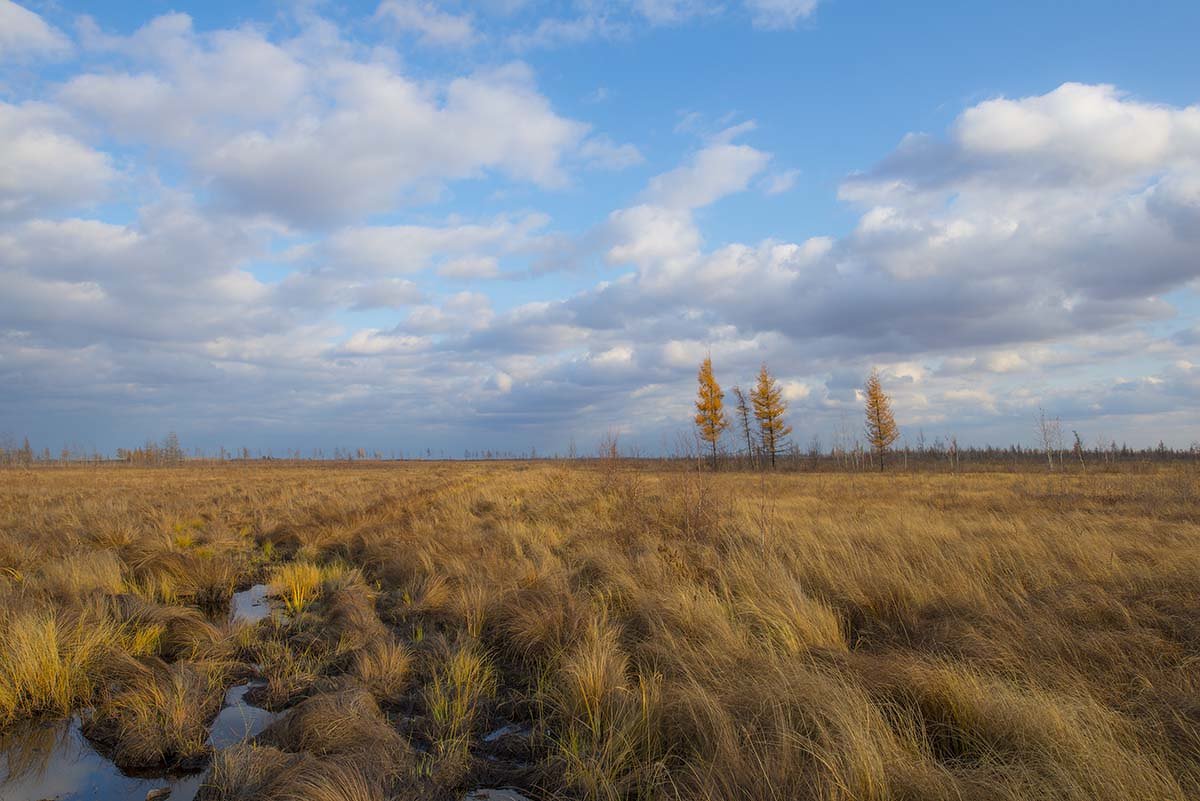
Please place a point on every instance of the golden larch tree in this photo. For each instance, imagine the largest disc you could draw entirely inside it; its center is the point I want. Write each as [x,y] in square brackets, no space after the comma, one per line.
[882,430]
[710,412]
[769,408]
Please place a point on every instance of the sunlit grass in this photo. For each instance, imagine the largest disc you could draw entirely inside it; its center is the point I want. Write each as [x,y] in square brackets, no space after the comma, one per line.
[665,633]
[297,584]
[51,663]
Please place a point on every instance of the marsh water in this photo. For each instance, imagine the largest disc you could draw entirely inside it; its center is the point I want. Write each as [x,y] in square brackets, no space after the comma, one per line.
[250,606]
[51,759]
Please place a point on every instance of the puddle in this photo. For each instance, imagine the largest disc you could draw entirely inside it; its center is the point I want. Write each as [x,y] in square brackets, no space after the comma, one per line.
[237,720]
[494,794]
[250,606]
[505,731]
[53,760]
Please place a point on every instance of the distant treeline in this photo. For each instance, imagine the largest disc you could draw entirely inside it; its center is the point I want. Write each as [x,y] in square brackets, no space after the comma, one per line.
[841,453]
[763,440]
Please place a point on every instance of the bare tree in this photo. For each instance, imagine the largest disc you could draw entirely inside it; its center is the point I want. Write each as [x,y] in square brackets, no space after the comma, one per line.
[1049,431]
[743,417]
[610,445]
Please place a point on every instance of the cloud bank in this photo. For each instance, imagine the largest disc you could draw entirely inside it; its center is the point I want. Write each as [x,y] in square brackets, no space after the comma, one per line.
[222,232]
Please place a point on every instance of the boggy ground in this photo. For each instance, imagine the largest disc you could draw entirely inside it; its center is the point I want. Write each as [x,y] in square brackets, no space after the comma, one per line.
[634,632]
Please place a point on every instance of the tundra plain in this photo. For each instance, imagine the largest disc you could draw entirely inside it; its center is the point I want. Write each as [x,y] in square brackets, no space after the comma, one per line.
[615,630]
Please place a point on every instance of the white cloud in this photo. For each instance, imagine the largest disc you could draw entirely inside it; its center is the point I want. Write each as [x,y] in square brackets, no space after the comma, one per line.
[556,32]
[385,135]
[193,89]
[43,166]
[315,138]
[795,391]
[624,19]
[431,24]
[405,249]
[716,171]
[1080,132]
[652,236]
[457,314]
[602,151]
[175,276]
[470,267]
[670,12]
[1025,250]
[779,14]
[372,342]
[780,182]
[24,34]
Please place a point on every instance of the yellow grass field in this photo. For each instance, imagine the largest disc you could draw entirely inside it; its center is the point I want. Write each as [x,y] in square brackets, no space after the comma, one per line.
[616,630]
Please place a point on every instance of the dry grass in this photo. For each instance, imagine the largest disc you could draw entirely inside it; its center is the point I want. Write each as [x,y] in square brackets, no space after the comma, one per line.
[384,668]
[51,663]
[463,681]
[297,584]
[161,716]
[665,634]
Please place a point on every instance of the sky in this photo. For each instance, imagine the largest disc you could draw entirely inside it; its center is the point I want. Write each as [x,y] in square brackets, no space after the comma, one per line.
[513,225]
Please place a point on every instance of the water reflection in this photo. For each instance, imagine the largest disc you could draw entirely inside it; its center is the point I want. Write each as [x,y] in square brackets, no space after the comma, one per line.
[53,760]
[238,721]
[250,606]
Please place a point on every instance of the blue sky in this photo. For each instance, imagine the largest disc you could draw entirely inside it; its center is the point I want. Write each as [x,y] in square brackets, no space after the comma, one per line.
[506,224]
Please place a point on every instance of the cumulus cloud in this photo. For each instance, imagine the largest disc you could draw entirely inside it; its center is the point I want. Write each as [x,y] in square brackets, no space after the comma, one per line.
[175,275]
[317,138]
[281,264]
[43,165]
[470,267]
[405,249]
[386,135]
[25,35]
[430,23]
[942,260]
[716,171]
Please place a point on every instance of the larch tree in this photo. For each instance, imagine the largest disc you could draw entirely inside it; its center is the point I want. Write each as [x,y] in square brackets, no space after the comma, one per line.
[710,413]
[882,430]
[769,408]
[743,413]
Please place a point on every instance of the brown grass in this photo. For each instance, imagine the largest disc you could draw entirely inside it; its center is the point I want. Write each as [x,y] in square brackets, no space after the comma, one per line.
[664,633]
[161,716]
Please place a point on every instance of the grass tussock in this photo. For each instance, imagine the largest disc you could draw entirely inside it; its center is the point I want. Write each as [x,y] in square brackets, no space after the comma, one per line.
[51,662]
[297,585]
[384,667]
[265,773]
[634,632]
[161,716]
[607,732]
[463,681]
